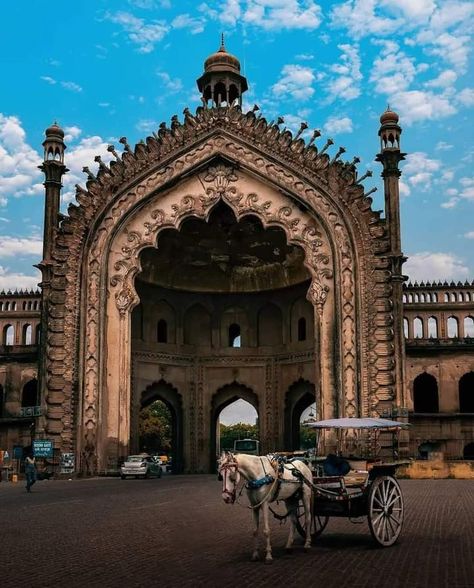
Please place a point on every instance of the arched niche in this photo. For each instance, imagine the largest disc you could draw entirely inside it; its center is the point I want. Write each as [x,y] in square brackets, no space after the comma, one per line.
[466,392]
[298,398]
[233,324]
[425,394]
[302,321]
[164,391]
[270,326]
[29,394]
[197,326]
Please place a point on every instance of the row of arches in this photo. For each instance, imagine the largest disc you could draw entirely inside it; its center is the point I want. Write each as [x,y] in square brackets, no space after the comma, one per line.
[29,396]
[426,395]
[424,297]
[234,326]
[422,328]
[11,305]
[28,335]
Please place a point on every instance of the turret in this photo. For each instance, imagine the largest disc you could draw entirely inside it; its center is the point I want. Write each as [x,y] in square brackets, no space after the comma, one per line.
[222,83]
[53,168]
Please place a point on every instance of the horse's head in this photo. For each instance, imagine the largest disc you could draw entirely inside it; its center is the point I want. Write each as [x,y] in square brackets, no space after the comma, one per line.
[228,472]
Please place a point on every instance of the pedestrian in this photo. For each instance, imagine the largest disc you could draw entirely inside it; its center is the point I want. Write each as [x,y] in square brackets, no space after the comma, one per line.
[30,472]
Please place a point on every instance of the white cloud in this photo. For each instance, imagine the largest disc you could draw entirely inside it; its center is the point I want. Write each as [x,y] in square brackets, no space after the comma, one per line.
[266,14]
[346,82]
[444,80]
[336,125]
[185,21]
[19,174]
[360,18]
[466,96]
[304,57]
[417,10]
[451,203]
[71,86]
[469,235]
[393,71]
[48,79]
[147,125]
[419,169]
[71,133]
[467,191]
[443,146]
[296,82]
[172,85]
[12,280]
[404,189]
[435,266]
[417,105]
[143,34]
[452,48]
[19,246]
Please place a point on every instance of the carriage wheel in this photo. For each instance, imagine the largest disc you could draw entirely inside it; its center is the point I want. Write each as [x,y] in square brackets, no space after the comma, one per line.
[318,523]
[385,514]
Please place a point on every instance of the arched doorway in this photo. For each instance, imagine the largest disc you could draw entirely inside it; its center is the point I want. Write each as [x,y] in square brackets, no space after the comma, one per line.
[29,395]
[165,393]
[468,452]
[300,396]
[425,394]
[223,398]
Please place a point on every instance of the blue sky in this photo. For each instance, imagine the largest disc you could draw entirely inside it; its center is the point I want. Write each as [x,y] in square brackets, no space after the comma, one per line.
[107,69]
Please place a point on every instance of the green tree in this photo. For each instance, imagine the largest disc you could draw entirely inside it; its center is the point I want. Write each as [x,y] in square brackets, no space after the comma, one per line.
[155,428]
[230,433]
[307,437]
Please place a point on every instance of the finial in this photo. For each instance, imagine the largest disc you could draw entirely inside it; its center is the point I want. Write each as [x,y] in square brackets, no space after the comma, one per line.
[222,47]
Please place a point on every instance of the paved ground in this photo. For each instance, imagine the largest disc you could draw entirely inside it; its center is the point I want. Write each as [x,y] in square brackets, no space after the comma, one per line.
[176,531]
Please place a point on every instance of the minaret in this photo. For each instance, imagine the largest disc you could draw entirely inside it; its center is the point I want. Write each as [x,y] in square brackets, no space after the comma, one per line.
[53,168]
[221,83]
[390,157]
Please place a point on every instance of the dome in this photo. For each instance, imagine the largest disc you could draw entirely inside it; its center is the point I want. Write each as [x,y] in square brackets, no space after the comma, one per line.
[54,131]
[221,60]
[389,116]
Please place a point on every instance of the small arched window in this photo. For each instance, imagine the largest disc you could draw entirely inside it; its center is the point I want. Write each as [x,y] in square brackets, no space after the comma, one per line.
[466,393]
[162,331]
[418,328]
[434,297]
[410,298]
[13,305]
[432,328]
[302,329]
[425,393]
[234,336]
[406,332]
[453,297]
[446,297]
[453,331]
[38,334]
[27,338]
[404,298]
[469,327]
[468,297]
[422,297]
[7,305]
[9,335]
[417,297]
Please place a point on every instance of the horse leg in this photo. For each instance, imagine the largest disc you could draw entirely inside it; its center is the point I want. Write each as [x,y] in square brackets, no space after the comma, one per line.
[256,520]
[266,532]
[291,509]
[307,517]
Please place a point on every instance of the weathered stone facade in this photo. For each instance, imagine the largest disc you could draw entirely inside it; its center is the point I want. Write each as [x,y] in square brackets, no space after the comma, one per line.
[222,223]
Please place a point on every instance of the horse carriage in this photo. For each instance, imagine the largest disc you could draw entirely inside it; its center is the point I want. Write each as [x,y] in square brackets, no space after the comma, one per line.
[353,482]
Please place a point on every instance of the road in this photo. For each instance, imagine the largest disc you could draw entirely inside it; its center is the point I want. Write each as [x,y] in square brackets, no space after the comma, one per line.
[177,532]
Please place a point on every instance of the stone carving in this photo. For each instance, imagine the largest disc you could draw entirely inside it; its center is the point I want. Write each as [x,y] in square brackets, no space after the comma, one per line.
[326,187]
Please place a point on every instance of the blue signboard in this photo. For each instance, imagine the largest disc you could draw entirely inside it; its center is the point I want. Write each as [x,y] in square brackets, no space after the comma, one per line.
[43,448]
[17,452]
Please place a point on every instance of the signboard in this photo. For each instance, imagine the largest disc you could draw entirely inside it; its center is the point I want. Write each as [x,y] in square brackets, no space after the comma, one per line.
[30,411]
[67,463]
[43,448]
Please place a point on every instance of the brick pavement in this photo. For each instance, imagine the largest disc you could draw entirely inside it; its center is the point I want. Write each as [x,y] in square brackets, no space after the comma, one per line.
[177,532]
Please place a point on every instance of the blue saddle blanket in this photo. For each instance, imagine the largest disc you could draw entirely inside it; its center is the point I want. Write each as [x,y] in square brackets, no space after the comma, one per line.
[254,484]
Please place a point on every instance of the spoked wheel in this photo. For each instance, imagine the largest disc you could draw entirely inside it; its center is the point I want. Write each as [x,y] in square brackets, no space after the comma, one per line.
[385,514]
[318,523]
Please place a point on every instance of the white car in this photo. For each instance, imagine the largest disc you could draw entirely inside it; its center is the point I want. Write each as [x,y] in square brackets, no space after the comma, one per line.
[140,466]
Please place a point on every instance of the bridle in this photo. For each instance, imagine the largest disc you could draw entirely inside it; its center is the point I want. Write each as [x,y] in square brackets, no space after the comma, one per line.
[225,471]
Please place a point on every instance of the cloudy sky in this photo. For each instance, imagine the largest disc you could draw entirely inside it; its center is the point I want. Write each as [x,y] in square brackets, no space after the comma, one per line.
[106,69]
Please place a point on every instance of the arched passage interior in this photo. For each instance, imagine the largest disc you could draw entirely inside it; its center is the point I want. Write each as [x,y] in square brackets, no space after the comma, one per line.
[466,393]
[223,398]
[166,393]
[425,394]
[299,397]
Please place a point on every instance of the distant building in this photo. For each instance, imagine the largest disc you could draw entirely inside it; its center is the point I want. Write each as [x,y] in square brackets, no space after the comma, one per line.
[224,257]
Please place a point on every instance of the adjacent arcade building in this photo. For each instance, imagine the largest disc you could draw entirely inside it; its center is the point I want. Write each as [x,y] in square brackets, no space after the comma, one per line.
[223,257]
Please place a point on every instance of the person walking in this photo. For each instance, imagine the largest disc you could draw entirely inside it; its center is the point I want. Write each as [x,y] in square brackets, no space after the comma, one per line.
[30,472]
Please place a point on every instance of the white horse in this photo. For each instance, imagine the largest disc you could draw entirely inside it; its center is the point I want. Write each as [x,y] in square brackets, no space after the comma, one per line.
[267,482]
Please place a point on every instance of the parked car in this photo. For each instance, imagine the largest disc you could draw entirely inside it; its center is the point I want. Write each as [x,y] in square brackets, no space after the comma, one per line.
[140,466]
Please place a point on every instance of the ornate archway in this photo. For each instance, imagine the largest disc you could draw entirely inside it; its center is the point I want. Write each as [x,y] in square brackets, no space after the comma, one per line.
[225,396]
[299,397]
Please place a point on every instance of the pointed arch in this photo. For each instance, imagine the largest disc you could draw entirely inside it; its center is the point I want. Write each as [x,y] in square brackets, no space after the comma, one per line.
[466,393]
[167,393]
[29,395]
[299,396]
